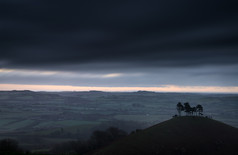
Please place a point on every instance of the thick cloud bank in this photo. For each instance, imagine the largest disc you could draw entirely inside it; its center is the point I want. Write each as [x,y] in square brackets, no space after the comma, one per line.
[154,40]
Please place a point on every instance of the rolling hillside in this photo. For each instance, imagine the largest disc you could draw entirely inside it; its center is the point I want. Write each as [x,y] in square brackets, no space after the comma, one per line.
[180,135]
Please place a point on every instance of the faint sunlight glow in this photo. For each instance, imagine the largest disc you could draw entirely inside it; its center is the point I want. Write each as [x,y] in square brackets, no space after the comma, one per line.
[27,72]
[166,88]
[22,72]
[112,75]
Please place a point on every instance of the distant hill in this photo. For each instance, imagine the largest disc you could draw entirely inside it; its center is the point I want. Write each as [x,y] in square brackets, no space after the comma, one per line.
[179,136]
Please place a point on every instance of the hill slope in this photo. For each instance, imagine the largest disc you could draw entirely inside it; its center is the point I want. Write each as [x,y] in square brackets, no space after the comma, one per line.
[181,135]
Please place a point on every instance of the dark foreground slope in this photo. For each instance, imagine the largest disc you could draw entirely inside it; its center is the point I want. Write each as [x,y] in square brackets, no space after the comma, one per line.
[182,136]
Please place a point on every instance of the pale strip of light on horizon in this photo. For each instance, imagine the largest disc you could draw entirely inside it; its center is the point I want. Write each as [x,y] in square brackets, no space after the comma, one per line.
[23,72]
[165,88]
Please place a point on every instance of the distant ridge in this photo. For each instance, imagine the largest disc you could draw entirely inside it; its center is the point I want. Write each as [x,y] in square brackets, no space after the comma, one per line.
[179,136]
[143,91]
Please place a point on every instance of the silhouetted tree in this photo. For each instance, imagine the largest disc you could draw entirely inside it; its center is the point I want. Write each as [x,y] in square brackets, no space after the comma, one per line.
[102,138]
[180,108]
[9,147]
[193,110]
[115,133]
[187,108]
[64,148]
[199,109]
[98,139]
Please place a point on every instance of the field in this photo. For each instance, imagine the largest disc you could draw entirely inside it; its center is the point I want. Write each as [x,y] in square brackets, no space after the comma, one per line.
[39,120]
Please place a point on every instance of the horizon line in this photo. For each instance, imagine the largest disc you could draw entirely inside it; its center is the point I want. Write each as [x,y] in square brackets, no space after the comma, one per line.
[162,88]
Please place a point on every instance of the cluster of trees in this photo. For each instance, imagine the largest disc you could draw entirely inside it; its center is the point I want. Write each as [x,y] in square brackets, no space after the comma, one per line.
[97,140]
[10,147]
[189,110]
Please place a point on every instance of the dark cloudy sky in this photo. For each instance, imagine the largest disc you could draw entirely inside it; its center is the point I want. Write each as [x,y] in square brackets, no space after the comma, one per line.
[149,43]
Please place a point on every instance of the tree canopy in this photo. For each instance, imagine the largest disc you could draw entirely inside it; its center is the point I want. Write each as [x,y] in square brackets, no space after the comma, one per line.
[189,111]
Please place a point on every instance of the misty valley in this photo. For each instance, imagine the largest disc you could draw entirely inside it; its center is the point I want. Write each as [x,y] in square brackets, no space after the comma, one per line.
[40,120]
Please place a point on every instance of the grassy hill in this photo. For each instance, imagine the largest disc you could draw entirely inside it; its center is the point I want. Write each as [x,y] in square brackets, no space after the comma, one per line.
[180,136]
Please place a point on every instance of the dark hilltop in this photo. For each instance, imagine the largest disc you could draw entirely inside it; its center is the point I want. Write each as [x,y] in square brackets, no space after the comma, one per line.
[187,135]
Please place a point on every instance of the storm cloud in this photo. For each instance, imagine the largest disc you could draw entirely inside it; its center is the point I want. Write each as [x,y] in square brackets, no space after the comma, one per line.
[153,38]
